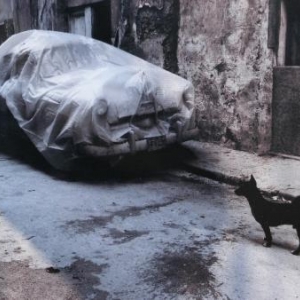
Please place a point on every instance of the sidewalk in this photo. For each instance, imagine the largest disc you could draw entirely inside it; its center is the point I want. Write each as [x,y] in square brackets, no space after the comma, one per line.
[274,174]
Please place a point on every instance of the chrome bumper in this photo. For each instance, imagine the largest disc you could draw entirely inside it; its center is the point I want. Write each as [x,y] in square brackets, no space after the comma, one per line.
[132,146]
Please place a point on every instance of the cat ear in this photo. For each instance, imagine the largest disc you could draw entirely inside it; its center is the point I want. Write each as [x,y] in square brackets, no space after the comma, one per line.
[252,180]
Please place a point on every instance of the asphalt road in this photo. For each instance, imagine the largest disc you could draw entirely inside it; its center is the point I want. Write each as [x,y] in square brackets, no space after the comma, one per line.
[162,234]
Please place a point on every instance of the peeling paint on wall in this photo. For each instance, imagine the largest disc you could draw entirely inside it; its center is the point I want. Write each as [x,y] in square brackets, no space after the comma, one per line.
[223,51]
[152,31]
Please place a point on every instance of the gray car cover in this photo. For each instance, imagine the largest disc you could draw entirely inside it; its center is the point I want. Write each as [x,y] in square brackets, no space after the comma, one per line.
[65,90]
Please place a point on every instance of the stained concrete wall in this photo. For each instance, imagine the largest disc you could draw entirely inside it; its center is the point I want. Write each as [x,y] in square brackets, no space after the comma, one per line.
[223,50]
[221,46]
[149,29]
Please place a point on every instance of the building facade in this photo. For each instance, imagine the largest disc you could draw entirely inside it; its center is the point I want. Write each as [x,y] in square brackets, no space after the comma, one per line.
[241,56]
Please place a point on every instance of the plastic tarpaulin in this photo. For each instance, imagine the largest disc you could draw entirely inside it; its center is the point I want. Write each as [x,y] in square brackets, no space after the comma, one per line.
[65,90]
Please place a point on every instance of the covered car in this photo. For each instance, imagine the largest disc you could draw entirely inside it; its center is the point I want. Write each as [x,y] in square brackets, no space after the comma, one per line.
[74,96]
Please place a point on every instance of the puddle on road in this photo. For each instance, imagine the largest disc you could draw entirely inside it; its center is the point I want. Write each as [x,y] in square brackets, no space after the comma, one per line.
[186,272]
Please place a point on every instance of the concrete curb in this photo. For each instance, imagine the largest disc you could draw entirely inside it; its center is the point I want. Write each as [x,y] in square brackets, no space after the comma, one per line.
[231,180]
[212,174]
[276,176]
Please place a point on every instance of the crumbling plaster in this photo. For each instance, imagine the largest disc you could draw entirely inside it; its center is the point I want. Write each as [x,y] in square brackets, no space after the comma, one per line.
[150,30]
[221,46]
[223,50]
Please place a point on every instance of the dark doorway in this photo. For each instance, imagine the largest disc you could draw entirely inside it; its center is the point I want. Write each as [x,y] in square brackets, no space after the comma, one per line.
[286,77]
[293,33]
[3,35]
[101,28]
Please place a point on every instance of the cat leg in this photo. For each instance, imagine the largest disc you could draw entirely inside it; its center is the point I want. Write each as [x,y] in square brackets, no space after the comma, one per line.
[268,235]
[297,251]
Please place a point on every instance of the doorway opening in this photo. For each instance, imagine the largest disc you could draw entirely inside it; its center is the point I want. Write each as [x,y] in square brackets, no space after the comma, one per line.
[286,90]
[93,20]
[3,35]
[101,24]
[292,57]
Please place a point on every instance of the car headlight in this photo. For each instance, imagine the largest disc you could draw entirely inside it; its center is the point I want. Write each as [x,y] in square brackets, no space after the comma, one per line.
[101,107]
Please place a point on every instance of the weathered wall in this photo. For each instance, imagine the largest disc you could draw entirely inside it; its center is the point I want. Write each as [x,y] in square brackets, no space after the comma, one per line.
[51,15]
[150,30]
[221,46]
[223,50]
[5,10]
[39,14]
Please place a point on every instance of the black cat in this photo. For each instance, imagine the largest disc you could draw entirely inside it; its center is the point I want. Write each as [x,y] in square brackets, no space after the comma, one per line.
[268,213]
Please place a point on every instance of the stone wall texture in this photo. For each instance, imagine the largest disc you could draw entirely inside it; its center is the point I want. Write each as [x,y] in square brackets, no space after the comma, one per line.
[221,46]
